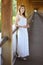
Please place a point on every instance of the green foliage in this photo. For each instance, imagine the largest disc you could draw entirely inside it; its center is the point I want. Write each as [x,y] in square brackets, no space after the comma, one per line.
[14,8]
[13,19]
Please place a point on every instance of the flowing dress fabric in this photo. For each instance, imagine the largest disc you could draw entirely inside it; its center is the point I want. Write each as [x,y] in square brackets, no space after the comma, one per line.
[23,39]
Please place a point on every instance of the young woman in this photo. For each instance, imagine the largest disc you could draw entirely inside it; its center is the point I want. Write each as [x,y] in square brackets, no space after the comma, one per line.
[23,41]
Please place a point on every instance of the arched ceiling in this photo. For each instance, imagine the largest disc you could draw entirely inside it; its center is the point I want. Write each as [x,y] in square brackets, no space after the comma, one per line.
[36,3]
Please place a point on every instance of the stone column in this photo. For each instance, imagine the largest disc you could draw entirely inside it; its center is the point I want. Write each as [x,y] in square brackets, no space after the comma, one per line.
[7,31]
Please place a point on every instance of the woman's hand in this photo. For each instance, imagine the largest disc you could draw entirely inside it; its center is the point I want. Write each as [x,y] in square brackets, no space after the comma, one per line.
[19,26]
[26,26]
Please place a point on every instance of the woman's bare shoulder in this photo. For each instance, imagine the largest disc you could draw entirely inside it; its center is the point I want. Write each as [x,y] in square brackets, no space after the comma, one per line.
[17,16]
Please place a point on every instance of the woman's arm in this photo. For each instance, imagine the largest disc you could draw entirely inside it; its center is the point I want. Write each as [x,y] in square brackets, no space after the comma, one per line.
[17,20]
[27,25]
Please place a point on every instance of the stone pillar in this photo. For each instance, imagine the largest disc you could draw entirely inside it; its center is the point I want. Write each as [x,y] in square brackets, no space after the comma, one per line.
[7,31]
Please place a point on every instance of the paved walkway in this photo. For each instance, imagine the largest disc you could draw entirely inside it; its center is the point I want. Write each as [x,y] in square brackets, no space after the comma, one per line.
[36,43]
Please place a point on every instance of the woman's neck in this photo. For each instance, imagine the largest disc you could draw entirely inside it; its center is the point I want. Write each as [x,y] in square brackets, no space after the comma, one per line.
[21,14]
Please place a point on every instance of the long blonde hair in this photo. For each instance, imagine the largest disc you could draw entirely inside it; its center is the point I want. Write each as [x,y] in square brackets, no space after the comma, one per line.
[19,10]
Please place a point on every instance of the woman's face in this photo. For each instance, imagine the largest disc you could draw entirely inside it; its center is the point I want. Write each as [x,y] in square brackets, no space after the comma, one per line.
[22,9]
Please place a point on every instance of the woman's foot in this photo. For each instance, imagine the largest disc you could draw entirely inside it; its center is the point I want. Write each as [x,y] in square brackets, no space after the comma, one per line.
[18,56]
[24,58]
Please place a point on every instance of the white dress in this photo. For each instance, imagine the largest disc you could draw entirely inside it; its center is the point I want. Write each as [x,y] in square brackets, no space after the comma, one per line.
[23,39]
